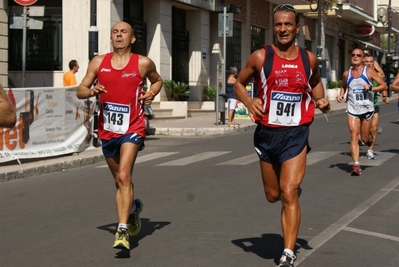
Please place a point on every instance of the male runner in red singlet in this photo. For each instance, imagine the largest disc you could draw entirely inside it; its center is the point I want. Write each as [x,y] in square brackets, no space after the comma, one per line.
[283,112]
[120,79]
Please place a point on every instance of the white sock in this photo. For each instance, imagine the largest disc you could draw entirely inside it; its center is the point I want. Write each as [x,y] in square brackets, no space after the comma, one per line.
[357,163]
[122,225]
[289,251]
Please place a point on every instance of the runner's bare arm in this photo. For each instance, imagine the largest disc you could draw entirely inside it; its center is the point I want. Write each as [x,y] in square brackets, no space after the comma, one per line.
[342,91]
[251,69]
[373,75]
[84,90]
[317,86]
[148,69]
[395,84]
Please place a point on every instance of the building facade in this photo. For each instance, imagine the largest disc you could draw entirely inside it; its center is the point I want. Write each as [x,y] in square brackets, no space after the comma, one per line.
[182,37]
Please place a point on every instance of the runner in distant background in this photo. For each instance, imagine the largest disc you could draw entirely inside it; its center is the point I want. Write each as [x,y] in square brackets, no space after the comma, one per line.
[369,62]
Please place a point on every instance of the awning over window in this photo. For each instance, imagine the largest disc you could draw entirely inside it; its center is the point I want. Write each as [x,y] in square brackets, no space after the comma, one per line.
[366,44]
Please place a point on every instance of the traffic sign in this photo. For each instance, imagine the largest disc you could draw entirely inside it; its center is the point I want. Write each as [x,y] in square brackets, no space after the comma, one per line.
[25,2]
[229,25]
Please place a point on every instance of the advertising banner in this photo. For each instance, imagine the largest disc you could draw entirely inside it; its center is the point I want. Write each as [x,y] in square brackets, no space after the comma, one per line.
[241,110]
[50,121]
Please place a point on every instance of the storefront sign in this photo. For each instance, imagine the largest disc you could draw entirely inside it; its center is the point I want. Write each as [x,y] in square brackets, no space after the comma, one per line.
[364,29]
[25,2]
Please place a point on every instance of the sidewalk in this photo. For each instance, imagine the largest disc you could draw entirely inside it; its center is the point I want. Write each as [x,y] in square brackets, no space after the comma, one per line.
[206,125]
[201,125]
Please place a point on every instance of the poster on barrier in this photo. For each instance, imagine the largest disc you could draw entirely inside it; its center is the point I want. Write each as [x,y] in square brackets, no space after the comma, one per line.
[51,121]
[241,111]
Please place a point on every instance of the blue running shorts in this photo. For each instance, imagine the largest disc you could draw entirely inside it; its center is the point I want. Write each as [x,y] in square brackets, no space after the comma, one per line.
[111,148]
[276,145]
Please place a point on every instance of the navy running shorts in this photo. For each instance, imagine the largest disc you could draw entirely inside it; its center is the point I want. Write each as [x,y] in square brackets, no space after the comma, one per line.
[376,109]
[112,147]
[276,145]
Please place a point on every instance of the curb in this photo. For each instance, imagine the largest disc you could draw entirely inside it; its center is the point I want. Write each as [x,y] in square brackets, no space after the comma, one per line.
[49,165]
[190,131]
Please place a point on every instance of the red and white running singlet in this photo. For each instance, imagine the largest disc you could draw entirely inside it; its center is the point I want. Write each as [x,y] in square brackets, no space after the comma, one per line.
[285,93]
[120,110]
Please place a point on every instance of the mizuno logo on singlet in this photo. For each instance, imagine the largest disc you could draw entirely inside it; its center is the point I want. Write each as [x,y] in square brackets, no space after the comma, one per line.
[116,108]
[293,98]
[289,66]
[105,70]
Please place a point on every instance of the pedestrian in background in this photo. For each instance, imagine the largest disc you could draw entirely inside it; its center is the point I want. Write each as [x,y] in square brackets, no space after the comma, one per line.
[7,111]
[120,79]
[289,89]
[360,99]
[69,76]
[231,98]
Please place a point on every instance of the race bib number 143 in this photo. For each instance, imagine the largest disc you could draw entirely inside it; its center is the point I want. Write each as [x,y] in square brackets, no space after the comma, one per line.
[116,117]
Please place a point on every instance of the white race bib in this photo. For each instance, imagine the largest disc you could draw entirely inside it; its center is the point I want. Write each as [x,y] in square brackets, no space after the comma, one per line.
[285,108]
[116,117]
[361,97]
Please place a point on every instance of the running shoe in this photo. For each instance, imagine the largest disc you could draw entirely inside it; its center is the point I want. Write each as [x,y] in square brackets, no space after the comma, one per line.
[134,222]
[370,154]
[379,130]
[286,260]
[122,239]
[356,170]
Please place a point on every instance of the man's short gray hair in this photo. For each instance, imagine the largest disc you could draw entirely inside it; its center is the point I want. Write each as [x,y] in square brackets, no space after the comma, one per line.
[233,70]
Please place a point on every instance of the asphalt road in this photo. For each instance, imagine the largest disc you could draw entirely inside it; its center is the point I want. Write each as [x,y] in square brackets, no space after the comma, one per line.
[204,206]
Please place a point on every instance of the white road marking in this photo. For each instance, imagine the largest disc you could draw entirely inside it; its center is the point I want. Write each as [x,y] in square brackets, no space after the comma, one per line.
[148,157]
[314,157]
[364,232]
[194,159]
[245,160]
[331,231]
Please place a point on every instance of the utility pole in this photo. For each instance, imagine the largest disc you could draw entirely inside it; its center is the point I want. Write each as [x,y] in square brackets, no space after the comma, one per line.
[93,51]
[319,46]
[389,9]
[93,30]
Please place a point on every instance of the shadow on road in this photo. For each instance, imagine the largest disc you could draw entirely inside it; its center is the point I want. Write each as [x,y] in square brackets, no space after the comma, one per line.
[268,246]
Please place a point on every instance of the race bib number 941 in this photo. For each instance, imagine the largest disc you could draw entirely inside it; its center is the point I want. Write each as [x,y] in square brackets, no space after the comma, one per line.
[116,117]
[285,108]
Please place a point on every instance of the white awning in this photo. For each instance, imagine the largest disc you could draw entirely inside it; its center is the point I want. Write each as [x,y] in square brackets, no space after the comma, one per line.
[366,44]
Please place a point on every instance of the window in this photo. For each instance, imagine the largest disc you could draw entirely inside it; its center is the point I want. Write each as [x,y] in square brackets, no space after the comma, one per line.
[133,13]
[233,48]
[257,38]
[43,47]
[329,52]
[308,45]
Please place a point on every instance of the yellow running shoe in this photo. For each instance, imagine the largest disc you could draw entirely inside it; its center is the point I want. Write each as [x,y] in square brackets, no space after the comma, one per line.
[122,239]
[134,222]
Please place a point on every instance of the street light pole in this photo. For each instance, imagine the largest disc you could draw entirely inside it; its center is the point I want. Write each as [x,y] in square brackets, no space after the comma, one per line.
[389,48]
[319,46]
[222,113]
